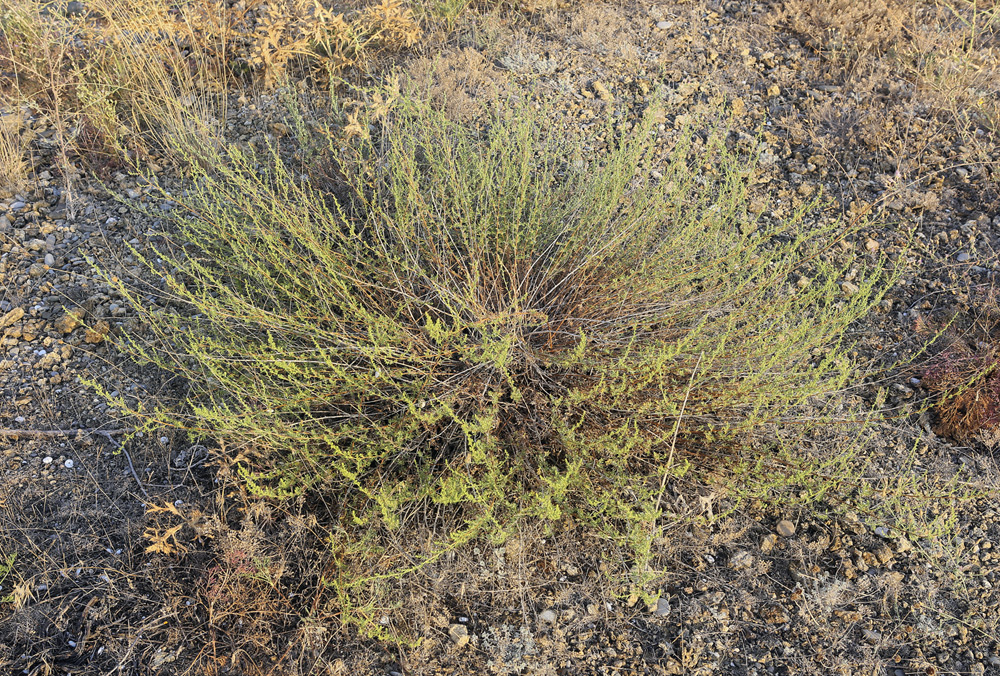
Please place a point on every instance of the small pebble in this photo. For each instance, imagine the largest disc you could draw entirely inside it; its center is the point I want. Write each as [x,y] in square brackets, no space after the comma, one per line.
[664,25]
[662,607]
[68,464]
[47,460]
[963,257]
[786,528]
[459,635]
[547,616]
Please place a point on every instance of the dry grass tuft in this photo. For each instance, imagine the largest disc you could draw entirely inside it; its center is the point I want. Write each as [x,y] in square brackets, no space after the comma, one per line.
[119,79]
[14,166]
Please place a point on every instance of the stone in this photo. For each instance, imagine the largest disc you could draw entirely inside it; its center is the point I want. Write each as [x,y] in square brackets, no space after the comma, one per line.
[68,464]
[871,245]
[661,607]
[50,260]
[602,91]
[664,25]
[741,560]
[459,634]
[67,323]
[768,542]
[548,616]
[11,317]
[786,528]
[37,270]
[97,333]
[773,90]
[47,460]
[849,288]
[963,257]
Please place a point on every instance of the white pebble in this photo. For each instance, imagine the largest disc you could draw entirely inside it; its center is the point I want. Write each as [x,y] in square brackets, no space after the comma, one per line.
[164,440]
[47,460]
[68,464]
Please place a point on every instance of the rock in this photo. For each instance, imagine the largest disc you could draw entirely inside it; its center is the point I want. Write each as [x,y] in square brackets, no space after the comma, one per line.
[47,460]
[50,260]
[602,91]
[963,257]
[871,245]
[11,317]
[37,269]
[768,542]
[4,223]
[17,206]
[661,607]
[741,560]
[97,333]
[664,25]
[786,528]
[773,90]
[35,245]
[68,464]
[849,288]
[459,634]
[548,616]
[68,322]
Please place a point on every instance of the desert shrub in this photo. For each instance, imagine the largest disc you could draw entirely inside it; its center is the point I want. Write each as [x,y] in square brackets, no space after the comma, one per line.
[468,322]
[964,372]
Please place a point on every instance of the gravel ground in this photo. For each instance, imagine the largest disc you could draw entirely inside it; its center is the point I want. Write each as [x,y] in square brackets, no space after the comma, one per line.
[796,590]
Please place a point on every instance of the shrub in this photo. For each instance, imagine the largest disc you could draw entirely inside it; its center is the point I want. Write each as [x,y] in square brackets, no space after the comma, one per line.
[964,375]
[469,320]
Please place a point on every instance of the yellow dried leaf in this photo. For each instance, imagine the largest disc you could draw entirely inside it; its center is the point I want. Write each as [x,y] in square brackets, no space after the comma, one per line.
[159,542]
[167,507]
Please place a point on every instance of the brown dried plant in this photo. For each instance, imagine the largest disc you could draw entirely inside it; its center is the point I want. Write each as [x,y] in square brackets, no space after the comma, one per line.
[965,375]
[127,75]
[14,167]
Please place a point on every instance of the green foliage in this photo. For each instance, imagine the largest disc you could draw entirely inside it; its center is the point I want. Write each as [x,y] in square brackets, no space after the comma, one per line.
[467,320]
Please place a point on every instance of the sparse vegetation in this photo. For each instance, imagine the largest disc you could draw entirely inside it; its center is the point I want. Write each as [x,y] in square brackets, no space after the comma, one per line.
[470,322]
